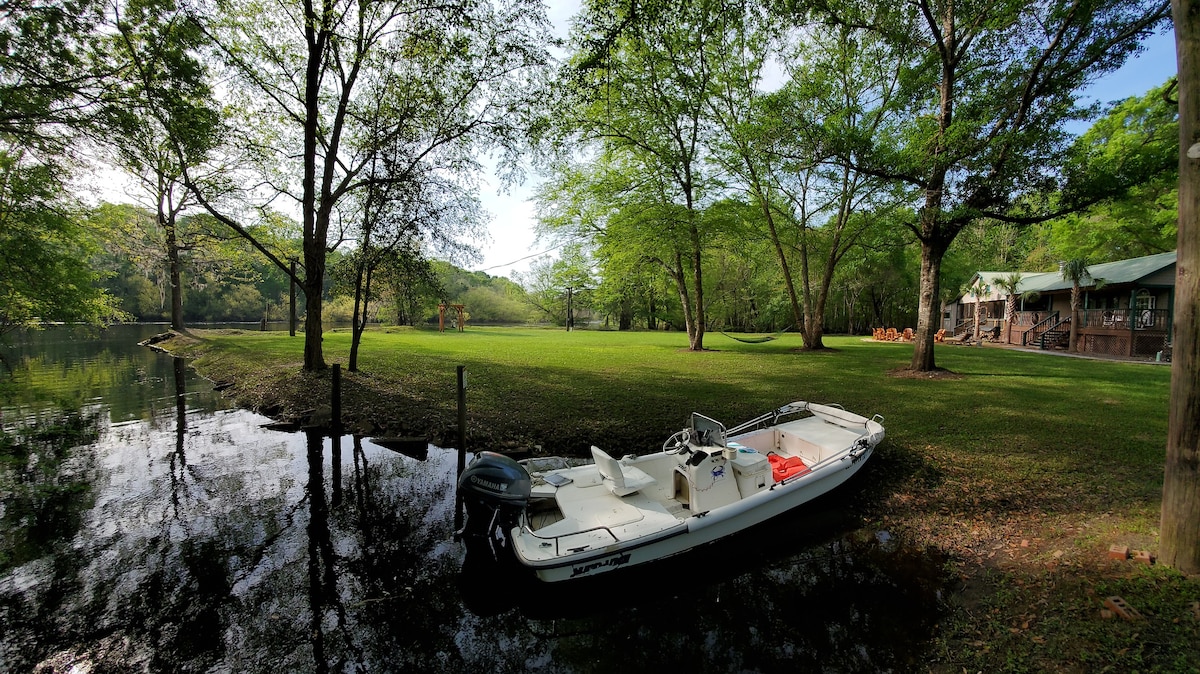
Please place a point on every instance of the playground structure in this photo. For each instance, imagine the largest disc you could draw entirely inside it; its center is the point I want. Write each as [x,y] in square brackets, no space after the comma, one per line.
[459,321]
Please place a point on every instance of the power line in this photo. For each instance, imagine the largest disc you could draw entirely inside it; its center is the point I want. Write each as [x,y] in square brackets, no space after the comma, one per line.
[507,264]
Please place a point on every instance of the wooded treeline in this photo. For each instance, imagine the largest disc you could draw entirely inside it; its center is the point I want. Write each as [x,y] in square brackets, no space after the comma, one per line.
[224,280]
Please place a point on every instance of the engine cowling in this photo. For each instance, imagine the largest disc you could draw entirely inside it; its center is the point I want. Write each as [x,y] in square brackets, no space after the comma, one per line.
[494,490]
[496,480]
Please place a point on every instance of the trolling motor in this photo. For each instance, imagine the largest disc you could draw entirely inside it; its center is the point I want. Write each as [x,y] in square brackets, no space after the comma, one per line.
[494,490]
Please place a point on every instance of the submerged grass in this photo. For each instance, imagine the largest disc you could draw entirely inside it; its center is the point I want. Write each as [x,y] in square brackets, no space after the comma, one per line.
[1024,468]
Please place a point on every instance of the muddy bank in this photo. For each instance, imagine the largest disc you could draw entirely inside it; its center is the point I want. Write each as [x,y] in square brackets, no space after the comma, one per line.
[385,406]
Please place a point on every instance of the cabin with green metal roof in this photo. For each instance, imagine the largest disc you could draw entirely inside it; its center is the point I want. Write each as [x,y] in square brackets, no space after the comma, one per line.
[1125,308]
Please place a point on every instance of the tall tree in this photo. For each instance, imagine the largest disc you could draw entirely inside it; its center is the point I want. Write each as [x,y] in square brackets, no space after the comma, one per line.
[1180,543]
[991,89]
[639,85]
[51,76]
[162,115]
[558,288]
[1076,271]
[309,77]
[840,91]
[1011,285]
[752,125]
[411,283]
[978,290]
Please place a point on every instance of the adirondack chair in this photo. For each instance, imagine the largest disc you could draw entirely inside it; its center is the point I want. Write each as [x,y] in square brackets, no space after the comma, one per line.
[964,337]
[940,335]
[908,335]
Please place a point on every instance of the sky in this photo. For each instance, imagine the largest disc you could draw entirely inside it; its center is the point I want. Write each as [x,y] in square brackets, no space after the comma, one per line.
[513,245]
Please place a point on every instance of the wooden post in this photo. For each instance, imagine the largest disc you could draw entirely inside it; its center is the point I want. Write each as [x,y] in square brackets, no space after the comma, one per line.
[462,442]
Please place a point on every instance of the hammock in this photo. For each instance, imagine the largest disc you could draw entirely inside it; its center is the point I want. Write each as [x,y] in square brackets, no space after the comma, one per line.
[757,340]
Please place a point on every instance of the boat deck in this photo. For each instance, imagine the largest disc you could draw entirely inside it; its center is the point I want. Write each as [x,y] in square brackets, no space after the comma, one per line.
[587,511]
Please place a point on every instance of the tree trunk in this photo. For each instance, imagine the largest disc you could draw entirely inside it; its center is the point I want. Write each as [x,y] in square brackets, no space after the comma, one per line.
[978,337]
[784,267]
[1072,344]
[1010,316]
[814,332]
[176,274]
[314,275]
[929,310]
[360,312]
[814,317]
[685,299]
[696,341]
[1180,542]
[316,38]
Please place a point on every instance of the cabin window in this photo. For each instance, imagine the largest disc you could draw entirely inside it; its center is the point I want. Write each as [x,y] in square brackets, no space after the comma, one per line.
[1145,309]
[1144,300]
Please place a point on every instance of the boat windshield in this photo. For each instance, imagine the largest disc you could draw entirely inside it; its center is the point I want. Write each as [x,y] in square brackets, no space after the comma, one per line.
[707,432]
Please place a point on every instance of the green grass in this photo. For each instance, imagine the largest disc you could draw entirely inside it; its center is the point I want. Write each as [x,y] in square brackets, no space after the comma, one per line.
[1025,468]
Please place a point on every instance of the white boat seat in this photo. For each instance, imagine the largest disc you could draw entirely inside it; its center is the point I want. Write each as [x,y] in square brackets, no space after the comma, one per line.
[620,479]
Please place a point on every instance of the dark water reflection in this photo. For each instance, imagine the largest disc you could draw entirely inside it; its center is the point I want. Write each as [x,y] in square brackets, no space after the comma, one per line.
[168,532]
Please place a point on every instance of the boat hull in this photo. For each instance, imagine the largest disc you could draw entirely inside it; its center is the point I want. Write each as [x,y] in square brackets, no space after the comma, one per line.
[697,530]
[705,485]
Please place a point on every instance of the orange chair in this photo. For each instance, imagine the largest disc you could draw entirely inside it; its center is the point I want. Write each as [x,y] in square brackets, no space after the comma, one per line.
[940,336]
[908,335]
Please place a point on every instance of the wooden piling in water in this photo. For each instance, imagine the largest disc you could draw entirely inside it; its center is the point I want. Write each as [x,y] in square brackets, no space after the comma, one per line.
[462,444]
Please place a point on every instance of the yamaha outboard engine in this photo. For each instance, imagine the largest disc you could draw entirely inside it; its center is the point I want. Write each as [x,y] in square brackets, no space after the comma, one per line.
[494,490]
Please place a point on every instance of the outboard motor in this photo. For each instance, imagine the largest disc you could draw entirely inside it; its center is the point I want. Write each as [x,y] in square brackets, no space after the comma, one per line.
[494,489]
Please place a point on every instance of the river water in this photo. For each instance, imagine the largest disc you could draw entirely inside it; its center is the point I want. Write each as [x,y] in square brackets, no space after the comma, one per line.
[148,525]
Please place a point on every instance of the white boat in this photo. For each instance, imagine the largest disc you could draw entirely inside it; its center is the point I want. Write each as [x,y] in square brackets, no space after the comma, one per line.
[706,483]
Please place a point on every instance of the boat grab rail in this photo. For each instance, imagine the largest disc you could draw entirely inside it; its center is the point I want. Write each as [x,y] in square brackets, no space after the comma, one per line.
[773,416]
[557,548]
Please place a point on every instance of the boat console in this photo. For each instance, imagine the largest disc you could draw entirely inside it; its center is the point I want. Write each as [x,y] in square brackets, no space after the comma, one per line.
[714,472]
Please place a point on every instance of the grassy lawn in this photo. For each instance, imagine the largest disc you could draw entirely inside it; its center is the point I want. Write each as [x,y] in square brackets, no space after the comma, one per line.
[1025,468]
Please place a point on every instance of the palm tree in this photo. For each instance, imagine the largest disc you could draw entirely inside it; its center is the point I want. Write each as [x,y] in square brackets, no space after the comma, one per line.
[978,290]
[1010,285]
[1076,271]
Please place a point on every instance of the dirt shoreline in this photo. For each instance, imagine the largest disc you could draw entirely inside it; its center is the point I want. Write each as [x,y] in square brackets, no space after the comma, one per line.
[372,405]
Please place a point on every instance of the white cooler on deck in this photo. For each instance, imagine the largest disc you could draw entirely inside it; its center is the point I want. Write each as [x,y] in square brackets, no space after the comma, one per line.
[752,470]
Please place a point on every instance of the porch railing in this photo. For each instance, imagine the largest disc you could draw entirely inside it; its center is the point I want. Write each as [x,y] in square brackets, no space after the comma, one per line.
[1126,319]
[1034,334]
